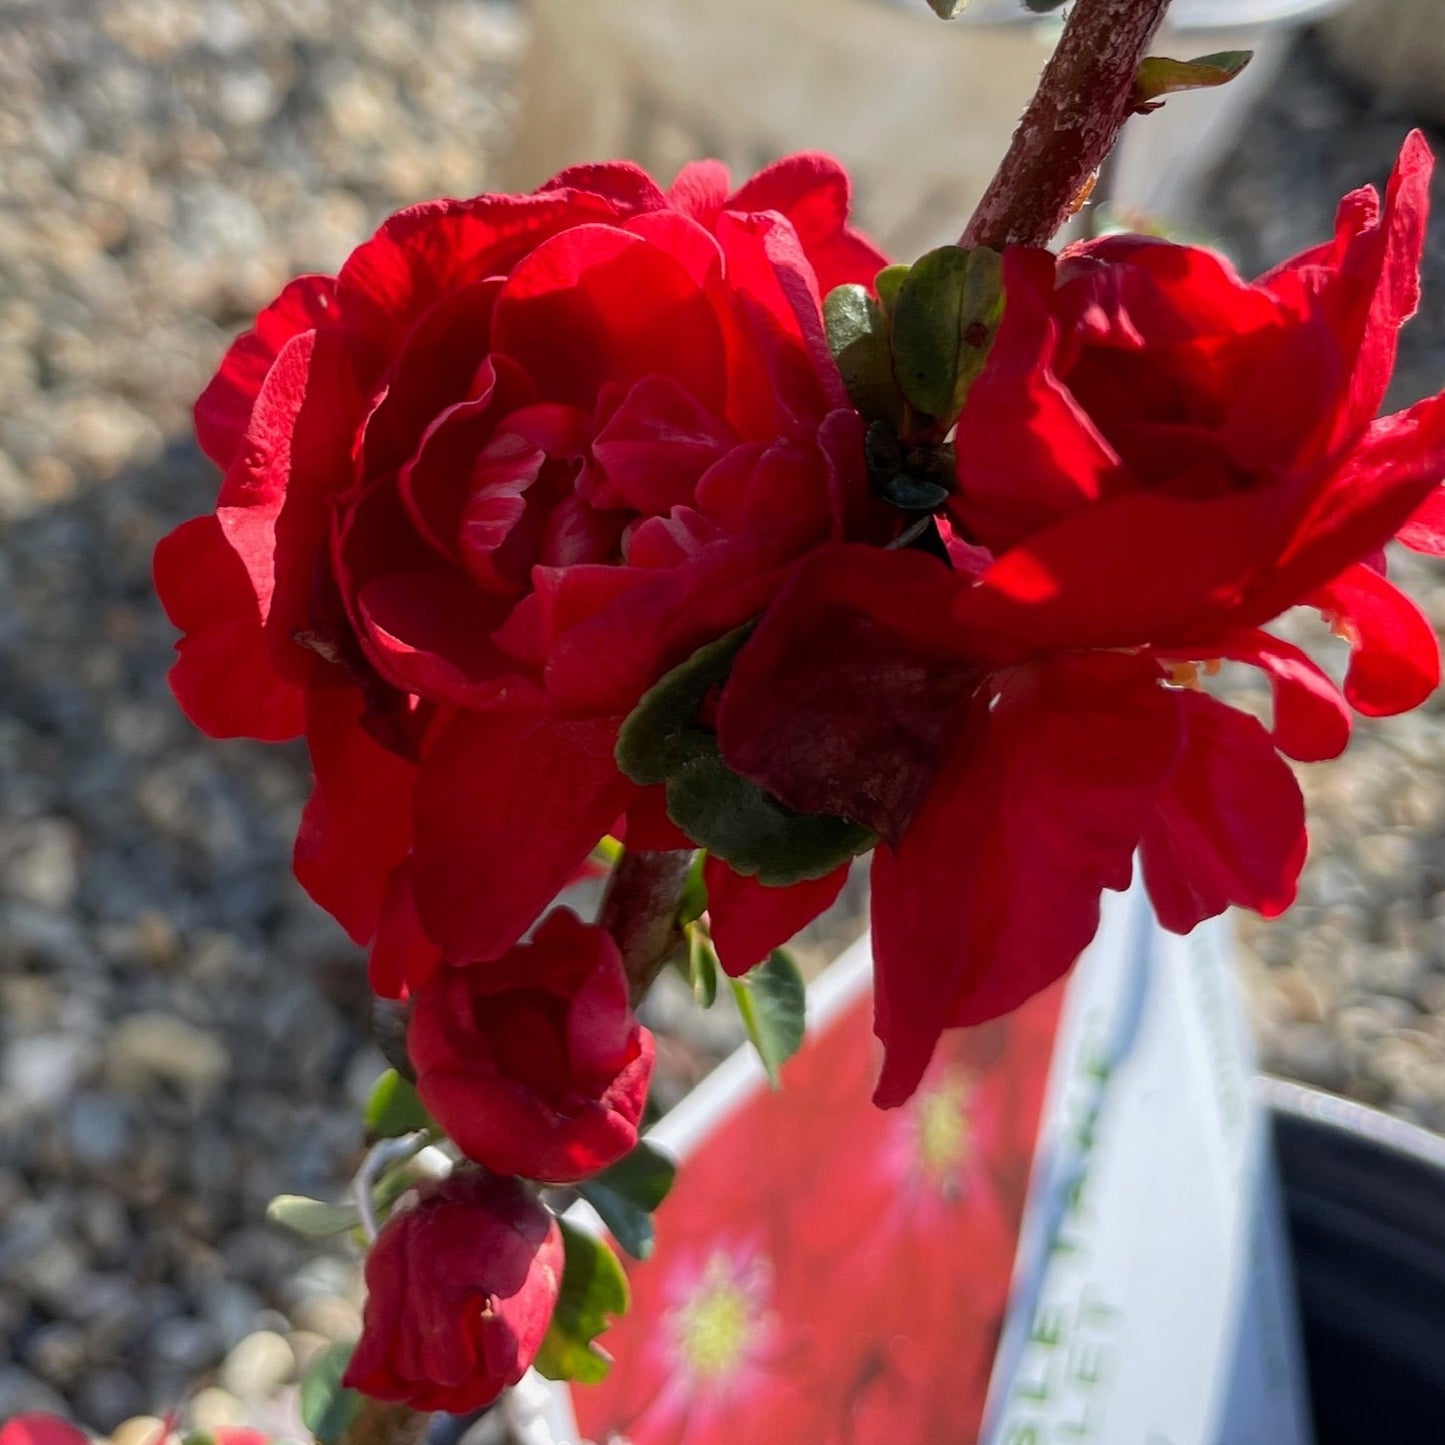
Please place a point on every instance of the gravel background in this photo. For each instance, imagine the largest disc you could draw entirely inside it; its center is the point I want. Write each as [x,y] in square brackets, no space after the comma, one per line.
[182,1033]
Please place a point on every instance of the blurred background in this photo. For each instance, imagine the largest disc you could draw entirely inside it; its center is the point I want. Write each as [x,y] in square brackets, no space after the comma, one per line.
[182,1035]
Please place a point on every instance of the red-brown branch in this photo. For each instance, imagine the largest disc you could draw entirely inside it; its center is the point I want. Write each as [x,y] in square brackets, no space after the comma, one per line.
[1070,125]
[639,910]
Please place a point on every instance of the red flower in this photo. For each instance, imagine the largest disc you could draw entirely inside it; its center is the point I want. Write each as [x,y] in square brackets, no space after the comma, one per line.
[1158,459]
[460,1291]
[534,1063]
[522,456]
[41,1429]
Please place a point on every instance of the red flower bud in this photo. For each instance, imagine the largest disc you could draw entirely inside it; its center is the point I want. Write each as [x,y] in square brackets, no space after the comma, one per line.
[534,1062]
[460,1291]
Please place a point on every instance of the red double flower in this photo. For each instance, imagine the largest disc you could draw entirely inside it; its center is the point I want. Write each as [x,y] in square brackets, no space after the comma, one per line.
[534,1063]
[1158,460]
[522,456]
[460,1288]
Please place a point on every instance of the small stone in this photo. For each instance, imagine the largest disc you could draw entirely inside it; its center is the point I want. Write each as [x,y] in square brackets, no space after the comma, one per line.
[331,1316]
[139,1430]
[108,1396]
[21,1392]
[186,1344]
[307,1346]
[150,1047]
[233,1309]
[214,1409]
[99,1129]
[258,1366]
[41,864]
[56,1353]
[40,1072]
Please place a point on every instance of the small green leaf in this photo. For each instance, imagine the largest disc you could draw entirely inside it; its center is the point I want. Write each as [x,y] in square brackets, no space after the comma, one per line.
[311,1218]
[594,1293]
[947,9]
[887,283]
[608,851]
[858,338]
[1159,75]
[1042,7]
[755,834]
[663,741]
[661,735]
[694,891]
[702,967]
[327,1409]
[948,310]
[626,1194]
[772,1000]
[394,1108]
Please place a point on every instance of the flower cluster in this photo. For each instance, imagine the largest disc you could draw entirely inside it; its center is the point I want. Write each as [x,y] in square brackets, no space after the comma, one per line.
[551,517]
[1158,460]
[483,489]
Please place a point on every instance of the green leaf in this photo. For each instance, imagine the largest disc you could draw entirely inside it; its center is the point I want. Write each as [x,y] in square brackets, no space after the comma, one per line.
[772,1000]
[887,283]
[311,1218]
[948,310]
[858,338]
[661,735]
[752,832]
[947,9]
[1042,7]
[328,1410]
[626,1194]
[694,891]
[394,1108]
[1159,75]
[594,1293]
[702,967]
[663,741]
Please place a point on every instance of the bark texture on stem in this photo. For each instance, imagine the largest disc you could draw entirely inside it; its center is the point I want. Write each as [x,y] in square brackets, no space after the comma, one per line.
[1070,125]
[639,910]
[379,1422]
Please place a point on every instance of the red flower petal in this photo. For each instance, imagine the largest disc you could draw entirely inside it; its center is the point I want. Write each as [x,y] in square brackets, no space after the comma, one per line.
[223,409]
[356,826]
[1228,826]
[421,254]
[1373,493]
[814,193]
[402,957]
[275,503]
[1311,719]
[1027,452]
[223,678]
[41,1429]
[994,890]
[749,920]
[848,696]
[595,305]
[1395,657]
[508,806]
[1425,531]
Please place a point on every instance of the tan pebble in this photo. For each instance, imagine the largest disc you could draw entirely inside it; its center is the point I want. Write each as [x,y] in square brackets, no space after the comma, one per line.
[330,1315]
[138,1430]
[1303,998]
[213,1409]
[258,1365]
[307,1346]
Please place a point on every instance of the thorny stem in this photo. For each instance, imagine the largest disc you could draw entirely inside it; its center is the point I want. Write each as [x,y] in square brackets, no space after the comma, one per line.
[639,910]
[1070,125]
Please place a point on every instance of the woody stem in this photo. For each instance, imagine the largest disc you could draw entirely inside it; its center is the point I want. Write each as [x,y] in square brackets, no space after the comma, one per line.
[1071,124]
[639,910]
